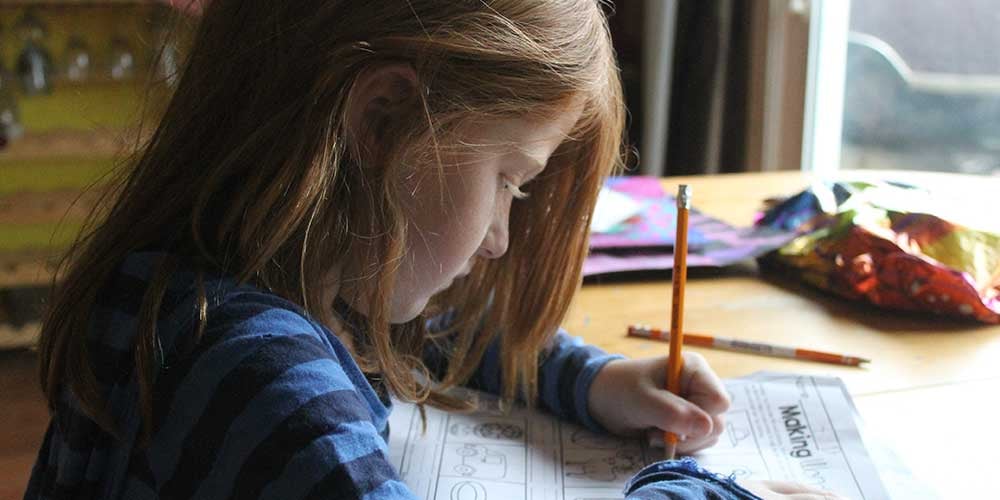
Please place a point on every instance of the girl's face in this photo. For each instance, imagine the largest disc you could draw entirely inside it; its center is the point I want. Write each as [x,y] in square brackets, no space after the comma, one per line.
[463,214]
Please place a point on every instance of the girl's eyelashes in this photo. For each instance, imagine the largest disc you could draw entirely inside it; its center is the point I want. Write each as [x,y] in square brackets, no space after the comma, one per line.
[515,191]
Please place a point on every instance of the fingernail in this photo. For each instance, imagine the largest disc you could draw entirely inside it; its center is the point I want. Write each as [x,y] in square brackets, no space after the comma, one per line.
[702,427]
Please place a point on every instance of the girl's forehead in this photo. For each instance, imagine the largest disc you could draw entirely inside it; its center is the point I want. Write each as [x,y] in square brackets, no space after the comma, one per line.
[525,131]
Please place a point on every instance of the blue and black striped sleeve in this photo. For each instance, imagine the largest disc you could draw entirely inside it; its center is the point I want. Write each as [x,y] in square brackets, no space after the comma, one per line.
[567,370]
[269,411]
[567,367]
[683,479]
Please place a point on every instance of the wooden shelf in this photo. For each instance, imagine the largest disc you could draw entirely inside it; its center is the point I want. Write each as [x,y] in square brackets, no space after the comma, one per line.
[47,206]
[14,338]
[75,135]
[27,268]
[36,145]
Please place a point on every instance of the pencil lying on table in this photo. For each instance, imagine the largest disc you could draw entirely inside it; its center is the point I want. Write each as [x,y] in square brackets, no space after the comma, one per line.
[748,346]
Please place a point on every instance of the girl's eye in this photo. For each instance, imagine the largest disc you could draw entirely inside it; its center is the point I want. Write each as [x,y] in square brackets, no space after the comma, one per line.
[515,191]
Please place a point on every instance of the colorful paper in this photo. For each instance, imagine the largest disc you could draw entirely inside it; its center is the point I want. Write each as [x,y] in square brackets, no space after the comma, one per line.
[648,244]
[655,224]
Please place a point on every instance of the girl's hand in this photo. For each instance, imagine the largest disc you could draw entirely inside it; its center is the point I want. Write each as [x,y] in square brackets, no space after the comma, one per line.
[629,396]
[781,490]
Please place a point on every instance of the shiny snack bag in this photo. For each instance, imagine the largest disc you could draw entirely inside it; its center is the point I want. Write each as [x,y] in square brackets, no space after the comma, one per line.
[886,244]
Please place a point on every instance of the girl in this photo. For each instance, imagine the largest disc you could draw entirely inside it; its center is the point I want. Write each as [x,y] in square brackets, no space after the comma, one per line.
[343,202]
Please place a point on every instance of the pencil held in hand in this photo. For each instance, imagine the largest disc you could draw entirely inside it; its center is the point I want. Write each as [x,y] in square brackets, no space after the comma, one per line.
[675,363]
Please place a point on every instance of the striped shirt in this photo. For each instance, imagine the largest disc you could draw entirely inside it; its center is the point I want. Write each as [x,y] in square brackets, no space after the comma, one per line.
[269,404]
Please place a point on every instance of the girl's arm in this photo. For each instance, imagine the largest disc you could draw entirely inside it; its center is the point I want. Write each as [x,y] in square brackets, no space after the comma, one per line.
[567,368]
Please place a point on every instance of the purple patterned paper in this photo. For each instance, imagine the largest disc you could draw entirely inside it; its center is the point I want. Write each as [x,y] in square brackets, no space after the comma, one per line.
[656,224]
[722,245]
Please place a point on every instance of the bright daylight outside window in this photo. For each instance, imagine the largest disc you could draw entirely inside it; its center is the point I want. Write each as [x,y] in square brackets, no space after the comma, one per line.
[923,86]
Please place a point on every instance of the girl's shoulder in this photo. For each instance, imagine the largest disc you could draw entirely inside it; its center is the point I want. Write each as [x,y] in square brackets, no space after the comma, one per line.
[240,310]
[263,381]
[242,333]
[232,311]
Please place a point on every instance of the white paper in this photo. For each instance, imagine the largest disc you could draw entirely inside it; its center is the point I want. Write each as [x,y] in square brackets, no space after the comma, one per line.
[795,428]
[612,209]
[786,427]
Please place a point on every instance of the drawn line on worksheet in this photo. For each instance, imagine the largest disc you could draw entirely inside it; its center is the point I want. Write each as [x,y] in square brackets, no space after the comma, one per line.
[443,449]
[756,443]
[562,461]
[822,401]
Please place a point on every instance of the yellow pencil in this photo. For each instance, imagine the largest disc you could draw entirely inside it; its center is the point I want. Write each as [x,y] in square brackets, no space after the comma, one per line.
[675,363]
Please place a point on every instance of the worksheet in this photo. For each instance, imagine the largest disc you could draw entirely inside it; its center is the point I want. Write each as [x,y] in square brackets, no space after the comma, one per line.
[781,426]
[795,428]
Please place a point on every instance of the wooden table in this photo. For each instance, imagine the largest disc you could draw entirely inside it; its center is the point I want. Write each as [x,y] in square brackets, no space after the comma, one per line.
[931,391]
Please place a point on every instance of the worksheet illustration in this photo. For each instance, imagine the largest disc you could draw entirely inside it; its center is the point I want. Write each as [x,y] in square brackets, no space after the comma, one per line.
[519,454]
[780,426]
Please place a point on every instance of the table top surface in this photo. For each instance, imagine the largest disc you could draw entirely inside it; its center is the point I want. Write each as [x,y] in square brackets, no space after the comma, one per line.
[929,392]
[926,371]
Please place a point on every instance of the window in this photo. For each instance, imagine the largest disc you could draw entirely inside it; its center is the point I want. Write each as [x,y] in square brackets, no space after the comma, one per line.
[921,84]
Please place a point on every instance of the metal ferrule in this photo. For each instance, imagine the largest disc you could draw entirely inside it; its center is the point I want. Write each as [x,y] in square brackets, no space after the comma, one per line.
[684,196]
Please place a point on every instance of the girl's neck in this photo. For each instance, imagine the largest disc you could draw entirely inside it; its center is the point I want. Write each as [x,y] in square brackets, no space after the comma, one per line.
[348,318]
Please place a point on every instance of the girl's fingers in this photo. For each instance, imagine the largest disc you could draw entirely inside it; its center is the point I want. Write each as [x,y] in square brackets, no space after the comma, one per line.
[702,386]
[691,445]
[672,413]
[771,490]
[694,414]
[697,416]
[688,445]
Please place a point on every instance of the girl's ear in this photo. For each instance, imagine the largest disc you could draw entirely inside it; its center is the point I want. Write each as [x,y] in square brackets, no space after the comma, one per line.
[377,94]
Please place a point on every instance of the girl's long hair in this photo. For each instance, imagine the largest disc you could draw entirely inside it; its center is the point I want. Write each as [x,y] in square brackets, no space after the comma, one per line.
[251,172]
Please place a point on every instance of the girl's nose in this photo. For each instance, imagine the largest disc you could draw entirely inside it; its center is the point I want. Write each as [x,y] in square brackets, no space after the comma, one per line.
[496,241]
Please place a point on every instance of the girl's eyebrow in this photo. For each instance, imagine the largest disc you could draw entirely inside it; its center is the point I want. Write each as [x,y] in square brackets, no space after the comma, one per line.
[535,165]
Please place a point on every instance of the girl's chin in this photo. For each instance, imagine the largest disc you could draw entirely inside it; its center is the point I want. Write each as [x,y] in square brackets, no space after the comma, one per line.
[408,312]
